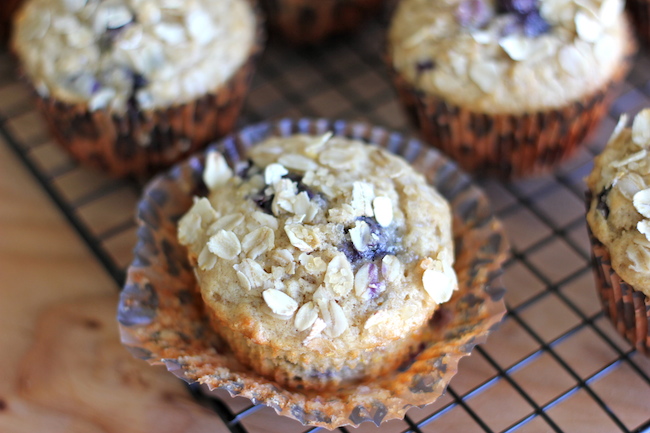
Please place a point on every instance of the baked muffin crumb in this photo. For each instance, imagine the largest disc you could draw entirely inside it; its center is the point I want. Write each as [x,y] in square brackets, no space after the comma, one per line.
[619,216]
[117,54]
[324,246]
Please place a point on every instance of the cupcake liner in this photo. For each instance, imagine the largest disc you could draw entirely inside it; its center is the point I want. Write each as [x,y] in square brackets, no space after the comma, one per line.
[162,320]
[627,308]
[505,145]
[139,142]
[639,12]
[304,22]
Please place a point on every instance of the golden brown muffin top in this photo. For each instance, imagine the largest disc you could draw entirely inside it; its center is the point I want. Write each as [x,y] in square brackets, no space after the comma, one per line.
[116,53]
[508,56]
[619,215]
[323,243]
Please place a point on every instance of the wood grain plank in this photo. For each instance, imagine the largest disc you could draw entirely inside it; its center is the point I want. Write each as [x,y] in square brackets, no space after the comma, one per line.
[41,261]
[77,367]
[62,365]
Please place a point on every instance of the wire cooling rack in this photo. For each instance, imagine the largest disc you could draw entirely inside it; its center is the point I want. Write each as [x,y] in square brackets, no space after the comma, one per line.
[556,364]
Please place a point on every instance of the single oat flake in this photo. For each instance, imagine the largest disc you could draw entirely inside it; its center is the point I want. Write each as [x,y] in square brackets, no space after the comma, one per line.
[637,156]
[306,316]
[226,222]
[639,256]
[641,202]
[224,244]
[339,321]
[643,227]
[641,128]
[438,285]
[383,209]
[279,302]
[273,173]
[216,171]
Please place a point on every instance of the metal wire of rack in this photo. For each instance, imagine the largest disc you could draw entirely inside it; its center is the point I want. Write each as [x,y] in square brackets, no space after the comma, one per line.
[556,364]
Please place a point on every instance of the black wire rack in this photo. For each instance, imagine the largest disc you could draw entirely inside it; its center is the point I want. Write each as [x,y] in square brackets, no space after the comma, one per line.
[556,363]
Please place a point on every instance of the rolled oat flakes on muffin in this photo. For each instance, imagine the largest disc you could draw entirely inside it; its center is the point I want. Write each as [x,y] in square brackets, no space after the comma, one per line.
[131,86]
[619,223]
[321,261]
[507,87]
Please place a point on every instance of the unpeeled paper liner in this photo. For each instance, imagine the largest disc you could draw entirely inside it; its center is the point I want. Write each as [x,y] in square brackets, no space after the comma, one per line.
[627,308]
[162,321]
[506,145]
[140,142]
[304,22]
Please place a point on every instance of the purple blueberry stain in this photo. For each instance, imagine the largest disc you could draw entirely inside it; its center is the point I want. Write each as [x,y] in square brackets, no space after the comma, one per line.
[472,13]
[375,285]
[519,7]
[534,25]
[264,201]
[138,81]
[351,253]
[424,66]
[383,239]
[301,186]
[382,244]
[527,17]
[244,169]
[510,25]
[84,83]
[96,86]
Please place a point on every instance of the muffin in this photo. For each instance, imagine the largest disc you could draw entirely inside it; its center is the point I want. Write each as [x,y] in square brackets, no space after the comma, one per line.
[304,22]
[162,314]
[7,9]
[507,87]
[130,86]
[619,222]
[322,260]
[639,12]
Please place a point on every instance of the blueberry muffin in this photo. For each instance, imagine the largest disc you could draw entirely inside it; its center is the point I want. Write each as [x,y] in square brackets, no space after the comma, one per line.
[133,85]
[507,87]
[321,260]
[304,22]
[619,222]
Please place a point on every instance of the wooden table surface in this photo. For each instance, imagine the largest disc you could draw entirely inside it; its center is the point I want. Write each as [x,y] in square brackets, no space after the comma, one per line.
[63,367]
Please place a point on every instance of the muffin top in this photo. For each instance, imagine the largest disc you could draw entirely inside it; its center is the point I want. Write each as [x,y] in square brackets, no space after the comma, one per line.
[508,56]
[320,242]
[619,215]
[117,54]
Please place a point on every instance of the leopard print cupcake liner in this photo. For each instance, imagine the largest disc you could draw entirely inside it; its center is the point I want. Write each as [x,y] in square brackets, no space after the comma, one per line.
[504,145]
[140,142]
[627,308]
[305,22]
[162,319]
